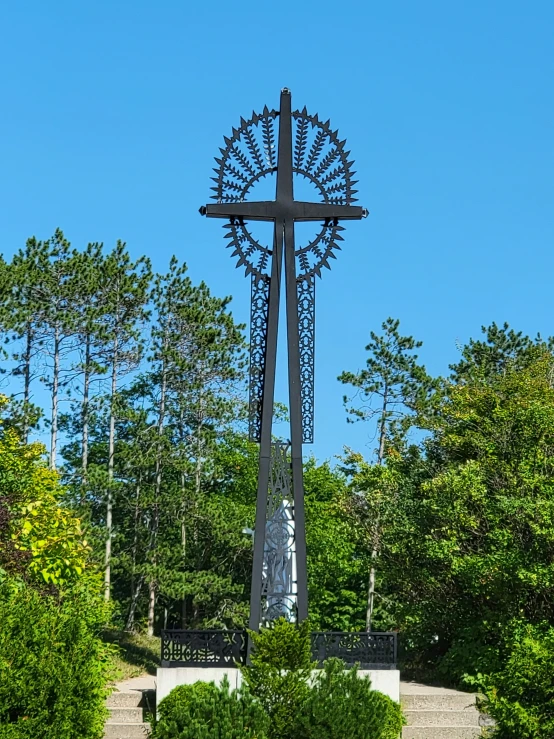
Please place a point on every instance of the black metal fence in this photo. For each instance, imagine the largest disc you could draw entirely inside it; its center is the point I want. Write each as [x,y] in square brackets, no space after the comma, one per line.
[214,648]
[371,650]
[222,648]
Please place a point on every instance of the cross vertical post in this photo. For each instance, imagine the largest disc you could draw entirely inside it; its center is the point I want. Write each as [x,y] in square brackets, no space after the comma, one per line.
[264,469]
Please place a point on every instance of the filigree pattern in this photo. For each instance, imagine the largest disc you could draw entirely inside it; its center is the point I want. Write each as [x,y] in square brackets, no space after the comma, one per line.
[319,157]
[366,648]
[222,648]
[259,306]
[279,592]
[306,334]
[217,648]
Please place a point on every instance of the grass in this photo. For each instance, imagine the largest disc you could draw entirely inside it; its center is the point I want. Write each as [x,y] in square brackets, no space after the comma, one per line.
[138,655]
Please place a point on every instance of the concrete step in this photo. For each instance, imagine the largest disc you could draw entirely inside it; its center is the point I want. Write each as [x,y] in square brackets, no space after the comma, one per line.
[126,731]
[441,732]
[447,702]
[442,718]
[125,715]
[132,699]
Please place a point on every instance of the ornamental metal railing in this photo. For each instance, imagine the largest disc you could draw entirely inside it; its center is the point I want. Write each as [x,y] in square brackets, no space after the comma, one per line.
[371,650]
[212,648]
[223,648]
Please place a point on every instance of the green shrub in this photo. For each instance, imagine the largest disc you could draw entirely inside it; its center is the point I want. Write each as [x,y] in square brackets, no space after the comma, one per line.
[520,696]
[342,705]
[336,704]
[281,665]
[53,666]
[204,711]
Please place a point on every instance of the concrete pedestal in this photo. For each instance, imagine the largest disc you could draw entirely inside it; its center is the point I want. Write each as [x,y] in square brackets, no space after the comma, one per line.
[385,681]
[170,677]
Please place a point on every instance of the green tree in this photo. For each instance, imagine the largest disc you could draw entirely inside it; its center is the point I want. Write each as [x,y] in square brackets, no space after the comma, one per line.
[336,567]
[474,523]
[124,289]
[21,319]
[502,348]
[389,391]
[42,539]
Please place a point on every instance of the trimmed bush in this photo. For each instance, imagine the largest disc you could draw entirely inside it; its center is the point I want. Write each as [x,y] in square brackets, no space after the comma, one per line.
[53,666]
[280,672]
[305,703]
[204,711]
[342,705]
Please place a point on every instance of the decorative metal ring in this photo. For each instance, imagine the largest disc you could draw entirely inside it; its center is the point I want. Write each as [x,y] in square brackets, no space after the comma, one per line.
[250,155]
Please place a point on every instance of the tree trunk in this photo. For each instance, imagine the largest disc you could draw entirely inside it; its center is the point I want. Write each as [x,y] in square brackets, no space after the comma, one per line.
[375,537]
[183,529]
[85,411]
[109,501]
[370,592]
[55,387]
[129,626]
[27,380]
[134,590]
[151,606]
[184,552]
[157,490]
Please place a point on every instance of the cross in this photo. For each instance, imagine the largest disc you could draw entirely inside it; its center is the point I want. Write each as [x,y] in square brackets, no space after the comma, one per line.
[284,211]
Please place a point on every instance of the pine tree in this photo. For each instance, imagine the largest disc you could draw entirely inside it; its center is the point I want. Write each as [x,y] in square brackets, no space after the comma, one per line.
[91,332]
[399,385]
[124,292]
[169,293]
[21,317]
[208,354]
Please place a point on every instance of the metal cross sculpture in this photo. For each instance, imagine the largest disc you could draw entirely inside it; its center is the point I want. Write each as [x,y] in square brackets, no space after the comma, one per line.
[306,148]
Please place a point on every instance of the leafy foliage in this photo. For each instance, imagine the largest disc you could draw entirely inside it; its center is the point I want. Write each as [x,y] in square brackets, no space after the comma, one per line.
[37,528]
[519,695]
[53,666]
[336,704]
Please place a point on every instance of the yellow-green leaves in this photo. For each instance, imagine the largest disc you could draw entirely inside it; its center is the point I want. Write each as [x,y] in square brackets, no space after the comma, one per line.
[40,525]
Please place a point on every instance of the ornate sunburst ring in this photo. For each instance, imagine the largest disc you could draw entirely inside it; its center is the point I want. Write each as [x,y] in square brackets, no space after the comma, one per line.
[250,156]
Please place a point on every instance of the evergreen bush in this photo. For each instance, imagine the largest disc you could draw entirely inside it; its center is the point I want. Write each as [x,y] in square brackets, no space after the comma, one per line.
[279,673]
[204,711]
[53,667]
[335,704]
[342,705]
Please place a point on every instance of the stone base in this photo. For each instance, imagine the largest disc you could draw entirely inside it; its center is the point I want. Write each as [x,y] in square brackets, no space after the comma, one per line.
[386,681]
[168,678]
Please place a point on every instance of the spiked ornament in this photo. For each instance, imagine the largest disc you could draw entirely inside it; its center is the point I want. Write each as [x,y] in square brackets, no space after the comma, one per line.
[249,156]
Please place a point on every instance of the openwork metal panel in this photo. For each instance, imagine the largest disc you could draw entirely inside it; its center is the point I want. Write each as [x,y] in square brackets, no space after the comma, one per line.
[279,587]
[365,648]
[306,336]
[181,648]
[214,648]
[258,344]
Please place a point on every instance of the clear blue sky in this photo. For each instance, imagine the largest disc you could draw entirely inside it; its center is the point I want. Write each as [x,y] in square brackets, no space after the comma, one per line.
[111,112]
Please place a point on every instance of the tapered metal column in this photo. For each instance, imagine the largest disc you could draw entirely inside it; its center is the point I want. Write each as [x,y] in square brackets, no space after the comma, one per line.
[295,403]
[266,427]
